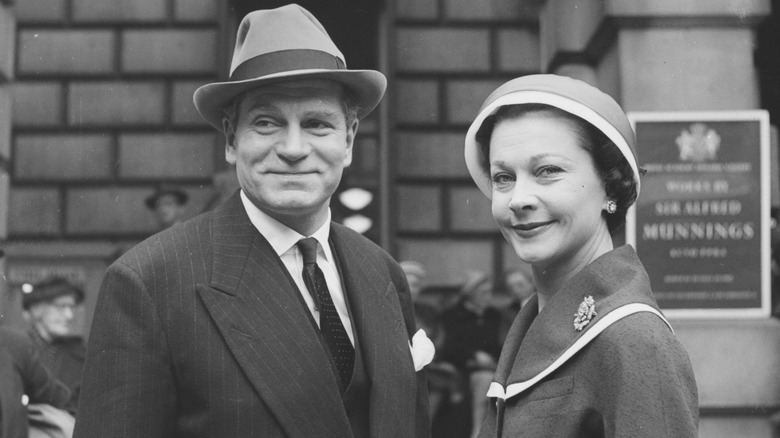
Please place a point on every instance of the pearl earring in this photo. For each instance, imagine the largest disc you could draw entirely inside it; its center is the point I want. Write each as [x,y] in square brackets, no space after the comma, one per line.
[611,207]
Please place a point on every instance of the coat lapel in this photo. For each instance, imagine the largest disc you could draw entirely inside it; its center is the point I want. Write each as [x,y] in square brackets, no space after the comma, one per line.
[382,333]
[613,280]
[260,315]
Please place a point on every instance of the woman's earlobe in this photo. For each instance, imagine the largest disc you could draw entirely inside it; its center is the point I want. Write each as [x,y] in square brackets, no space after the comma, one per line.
[611,206]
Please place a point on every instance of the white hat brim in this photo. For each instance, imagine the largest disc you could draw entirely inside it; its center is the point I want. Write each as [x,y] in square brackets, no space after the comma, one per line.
[479,174]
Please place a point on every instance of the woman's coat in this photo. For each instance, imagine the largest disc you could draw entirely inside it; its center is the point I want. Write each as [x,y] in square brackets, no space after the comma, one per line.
[634,379]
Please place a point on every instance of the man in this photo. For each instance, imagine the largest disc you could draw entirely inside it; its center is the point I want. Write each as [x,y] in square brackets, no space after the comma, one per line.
[51,306]
[24,379]
[231,326]
[167,204]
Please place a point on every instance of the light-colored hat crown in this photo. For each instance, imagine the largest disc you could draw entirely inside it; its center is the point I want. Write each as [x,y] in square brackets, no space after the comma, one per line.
[267,32]
[571,95]
[283,44]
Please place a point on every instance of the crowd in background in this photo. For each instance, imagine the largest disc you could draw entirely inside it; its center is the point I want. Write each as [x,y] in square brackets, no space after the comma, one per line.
[468,329]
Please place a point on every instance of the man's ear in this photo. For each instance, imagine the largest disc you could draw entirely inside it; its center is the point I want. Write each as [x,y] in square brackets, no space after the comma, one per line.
[351,133]
[230,140]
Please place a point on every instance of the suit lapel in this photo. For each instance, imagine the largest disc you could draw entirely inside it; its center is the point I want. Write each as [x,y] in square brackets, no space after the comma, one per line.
[259,313]
[381,331]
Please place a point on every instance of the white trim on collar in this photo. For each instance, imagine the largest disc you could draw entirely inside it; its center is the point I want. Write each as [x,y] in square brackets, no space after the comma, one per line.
[498,391]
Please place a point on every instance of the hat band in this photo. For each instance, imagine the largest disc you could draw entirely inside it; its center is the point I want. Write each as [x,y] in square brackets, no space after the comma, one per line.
[286,61]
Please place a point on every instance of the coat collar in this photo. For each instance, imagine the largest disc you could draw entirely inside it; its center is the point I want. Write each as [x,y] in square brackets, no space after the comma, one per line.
[614,279]
[267,327]
[261,316]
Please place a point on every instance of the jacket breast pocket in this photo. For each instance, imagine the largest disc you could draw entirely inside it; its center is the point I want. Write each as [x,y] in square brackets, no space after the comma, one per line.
[552,388]
[546,398]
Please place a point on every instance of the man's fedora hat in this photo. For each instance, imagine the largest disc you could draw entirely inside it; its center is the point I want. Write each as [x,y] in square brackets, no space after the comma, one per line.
[180,195]
[287,43]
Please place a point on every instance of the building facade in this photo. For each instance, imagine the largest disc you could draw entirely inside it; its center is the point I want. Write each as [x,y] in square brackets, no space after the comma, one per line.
[96,114]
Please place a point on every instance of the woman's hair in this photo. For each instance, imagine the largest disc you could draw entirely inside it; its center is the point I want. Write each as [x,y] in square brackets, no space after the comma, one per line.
[612,166]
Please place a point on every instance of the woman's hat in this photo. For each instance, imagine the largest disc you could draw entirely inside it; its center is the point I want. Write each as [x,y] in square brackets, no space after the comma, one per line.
[571,95]
[283,44]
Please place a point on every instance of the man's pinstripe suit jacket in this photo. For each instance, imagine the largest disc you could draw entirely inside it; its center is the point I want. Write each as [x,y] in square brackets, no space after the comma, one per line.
[200,332]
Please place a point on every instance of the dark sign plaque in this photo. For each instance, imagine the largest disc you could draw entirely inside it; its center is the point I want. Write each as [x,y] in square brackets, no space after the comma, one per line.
[701,223]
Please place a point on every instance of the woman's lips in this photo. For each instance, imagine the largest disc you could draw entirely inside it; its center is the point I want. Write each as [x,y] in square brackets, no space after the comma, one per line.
[529,229]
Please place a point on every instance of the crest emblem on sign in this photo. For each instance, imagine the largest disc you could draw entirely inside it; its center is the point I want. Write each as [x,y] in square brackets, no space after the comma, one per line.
[698,143]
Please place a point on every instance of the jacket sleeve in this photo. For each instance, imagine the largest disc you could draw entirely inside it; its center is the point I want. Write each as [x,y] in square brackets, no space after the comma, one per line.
[39,384]
[128,388]
[649,383]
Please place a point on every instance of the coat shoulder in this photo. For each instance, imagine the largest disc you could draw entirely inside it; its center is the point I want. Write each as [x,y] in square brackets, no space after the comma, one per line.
[362,244]
[193,235]
[642,343]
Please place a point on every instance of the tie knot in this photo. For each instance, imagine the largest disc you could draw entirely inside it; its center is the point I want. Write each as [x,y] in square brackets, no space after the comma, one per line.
[308,248]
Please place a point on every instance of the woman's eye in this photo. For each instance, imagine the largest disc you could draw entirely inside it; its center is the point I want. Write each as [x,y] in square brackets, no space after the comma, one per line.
[548,170]
[502,179]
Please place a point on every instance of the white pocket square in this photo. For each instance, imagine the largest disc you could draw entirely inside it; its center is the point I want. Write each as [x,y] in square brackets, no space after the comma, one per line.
[422,350]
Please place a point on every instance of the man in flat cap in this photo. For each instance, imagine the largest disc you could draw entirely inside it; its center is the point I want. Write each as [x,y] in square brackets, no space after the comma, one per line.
[50,306]
[262,318]
[167,204]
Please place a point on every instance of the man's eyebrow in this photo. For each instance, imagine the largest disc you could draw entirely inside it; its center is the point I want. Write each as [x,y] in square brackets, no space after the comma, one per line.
[323,114]
[260,107]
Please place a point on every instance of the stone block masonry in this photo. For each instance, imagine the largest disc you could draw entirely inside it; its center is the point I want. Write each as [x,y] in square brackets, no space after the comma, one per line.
[102,113]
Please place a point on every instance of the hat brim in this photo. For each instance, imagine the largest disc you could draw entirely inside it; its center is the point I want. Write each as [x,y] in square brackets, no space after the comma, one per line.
[181,197]
[555,99]
[366,86]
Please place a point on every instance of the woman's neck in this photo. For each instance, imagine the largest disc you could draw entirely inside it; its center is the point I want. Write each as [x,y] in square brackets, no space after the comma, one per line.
[551,278]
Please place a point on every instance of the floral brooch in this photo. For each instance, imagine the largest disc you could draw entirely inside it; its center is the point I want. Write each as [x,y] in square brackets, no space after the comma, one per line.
[585,313]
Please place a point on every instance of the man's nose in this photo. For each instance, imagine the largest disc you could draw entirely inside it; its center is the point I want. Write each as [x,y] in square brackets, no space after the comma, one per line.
[68,312]
[293,147]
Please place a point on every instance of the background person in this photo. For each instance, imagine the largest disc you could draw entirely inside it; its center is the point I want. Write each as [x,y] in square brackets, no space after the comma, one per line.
[261,317]
[168,206]
[519,284]
[473,330]
[25,379]
[51,307]
[444,386]
[556,157]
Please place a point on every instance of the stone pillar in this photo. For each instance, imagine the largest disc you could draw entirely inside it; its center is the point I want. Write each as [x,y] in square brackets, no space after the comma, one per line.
[682,55]
[7,43]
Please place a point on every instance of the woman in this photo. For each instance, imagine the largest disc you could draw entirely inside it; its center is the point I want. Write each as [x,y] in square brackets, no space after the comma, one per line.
[590,355]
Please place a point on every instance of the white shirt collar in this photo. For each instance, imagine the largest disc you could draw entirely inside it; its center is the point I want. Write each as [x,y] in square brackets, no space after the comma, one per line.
[281,237]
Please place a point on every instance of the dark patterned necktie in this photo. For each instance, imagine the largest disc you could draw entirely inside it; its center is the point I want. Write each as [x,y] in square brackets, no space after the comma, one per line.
[332,329]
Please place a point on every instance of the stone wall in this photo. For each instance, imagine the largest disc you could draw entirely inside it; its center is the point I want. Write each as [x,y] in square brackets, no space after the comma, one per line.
[447,57]
[100,88]
[101,116]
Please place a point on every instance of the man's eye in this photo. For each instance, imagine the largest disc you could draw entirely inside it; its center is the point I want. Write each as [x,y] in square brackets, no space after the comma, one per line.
[265,123]
[318,125]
